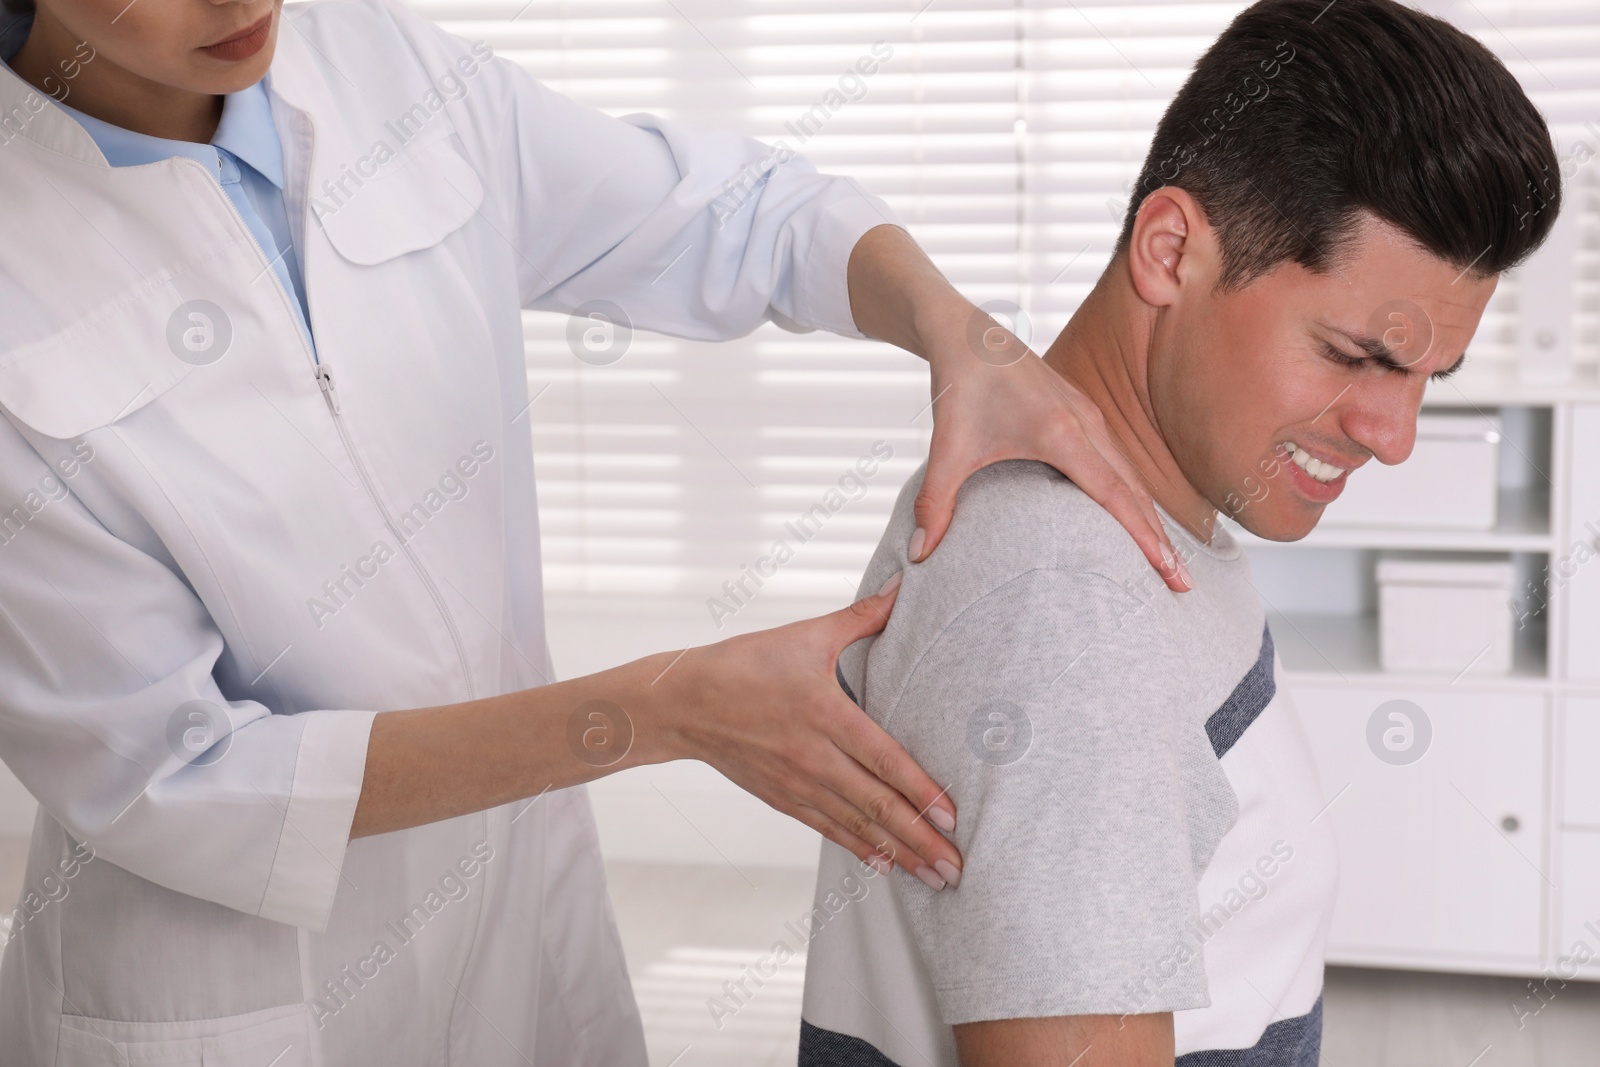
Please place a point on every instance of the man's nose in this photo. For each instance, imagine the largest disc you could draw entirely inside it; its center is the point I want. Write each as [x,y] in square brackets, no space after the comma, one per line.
[1384,423]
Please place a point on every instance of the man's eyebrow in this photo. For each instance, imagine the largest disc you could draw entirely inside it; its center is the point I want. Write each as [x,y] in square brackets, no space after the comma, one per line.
[1382,353]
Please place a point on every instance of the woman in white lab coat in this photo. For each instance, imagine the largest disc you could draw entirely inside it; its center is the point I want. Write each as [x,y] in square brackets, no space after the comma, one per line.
[266,483]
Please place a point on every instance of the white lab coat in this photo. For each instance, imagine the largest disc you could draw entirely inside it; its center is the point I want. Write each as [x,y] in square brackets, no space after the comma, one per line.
[174,530]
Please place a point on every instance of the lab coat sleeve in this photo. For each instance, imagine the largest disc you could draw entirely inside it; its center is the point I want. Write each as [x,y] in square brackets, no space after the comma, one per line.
[107,700]
[696,233]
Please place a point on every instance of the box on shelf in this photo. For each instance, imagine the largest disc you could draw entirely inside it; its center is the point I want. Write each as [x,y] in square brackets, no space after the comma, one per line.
[1445,614]
[1450,481]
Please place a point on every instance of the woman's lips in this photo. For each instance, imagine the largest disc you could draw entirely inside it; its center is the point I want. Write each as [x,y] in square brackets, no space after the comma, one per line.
[244,44]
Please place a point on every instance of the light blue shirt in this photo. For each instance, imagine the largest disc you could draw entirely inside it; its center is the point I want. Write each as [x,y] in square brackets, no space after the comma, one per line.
[245,156]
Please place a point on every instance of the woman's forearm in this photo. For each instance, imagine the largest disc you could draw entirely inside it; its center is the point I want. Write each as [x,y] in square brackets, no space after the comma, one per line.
[897,294]
[765,709]
[429,764]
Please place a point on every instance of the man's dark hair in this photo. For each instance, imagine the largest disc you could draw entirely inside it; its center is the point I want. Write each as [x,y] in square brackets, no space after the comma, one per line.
[1305,113]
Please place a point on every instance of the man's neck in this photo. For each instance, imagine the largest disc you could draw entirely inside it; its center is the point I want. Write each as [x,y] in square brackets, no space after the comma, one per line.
[1103,351]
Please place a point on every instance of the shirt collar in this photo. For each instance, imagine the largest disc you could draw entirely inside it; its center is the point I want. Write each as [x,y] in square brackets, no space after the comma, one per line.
[246,131]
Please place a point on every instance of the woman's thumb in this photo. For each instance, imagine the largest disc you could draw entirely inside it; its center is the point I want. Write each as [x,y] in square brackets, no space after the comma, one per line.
[868,615]
[934,506]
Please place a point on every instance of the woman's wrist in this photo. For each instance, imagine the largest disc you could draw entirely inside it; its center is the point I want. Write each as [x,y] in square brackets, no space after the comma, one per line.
[940,318]
[649,697]
[897,294]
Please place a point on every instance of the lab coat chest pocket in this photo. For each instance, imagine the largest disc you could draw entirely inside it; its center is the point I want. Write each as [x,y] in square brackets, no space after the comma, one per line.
[277,1036]
[407,202]
[104,367]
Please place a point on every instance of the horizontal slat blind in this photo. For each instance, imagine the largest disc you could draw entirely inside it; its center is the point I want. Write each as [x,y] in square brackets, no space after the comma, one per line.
[1002,131]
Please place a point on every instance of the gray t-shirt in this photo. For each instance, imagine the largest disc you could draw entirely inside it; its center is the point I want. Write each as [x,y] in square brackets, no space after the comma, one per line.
[1080,715]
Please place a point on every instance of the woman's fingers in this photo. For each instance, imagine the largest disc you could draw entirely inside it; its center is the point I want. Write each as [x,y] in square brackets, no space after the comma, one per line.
[1133,509]
[767,711]
[885,850]
[866,742]
[996,407]
[854,810]
[865,617]
[875,789]
[949,466]
[1138,516]
[1114,485]
[880,792]
[879,857]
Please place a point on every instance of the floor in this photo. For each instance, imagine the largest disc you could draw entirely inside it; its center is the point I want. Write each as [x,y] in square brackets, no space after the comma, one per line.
[686,930]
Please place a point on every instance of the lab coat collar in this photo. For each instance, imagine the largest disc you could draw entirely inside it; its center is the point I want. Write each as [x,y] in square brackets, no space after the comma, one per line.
[27,113]
[246,131]
[302,88]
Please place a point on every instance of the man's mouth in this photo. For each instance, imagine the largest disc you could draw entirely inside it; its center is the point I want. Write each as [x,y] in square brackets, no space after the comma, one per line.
[1316,468]
[1319,481]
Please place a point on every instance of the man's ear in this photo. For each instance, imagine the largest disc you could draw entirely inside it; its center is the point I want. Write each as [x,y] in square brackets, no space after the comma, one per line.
[1172,246]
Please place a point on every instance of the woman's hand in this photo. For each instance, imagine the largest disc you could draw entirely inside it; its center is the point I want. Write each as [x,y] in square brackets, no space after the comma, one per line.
[1003,402]
[766,710]
[993,399]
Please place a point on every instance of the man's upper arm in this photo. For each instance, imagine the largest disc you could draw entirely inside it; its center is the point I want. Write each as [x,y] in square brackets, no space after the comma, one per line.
[1056,710]
[1069,1041]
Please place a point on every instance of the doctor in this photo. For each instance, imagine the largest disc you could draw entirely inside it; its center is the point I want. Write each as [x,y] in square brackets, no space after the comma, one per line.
[272,655]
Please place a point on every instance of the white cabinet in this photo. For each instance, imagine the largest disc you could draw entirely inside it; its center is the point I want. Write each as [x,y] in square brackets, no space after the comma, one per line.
[1577,934]
[1484,855]
[1442,860]
[1580,547]
[1579,757]
[1575,946]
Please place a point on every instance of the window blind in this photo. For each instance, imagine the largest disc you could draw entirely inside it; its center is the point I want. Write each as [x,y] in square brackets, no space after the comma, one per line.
[1004,132]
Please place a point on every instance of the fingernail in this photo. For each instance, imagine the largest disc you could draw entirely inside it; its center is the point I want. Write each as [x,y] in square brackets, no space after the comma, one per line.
[1169,561]
[942,818]
[917,540]
[948,871]
[880,863]
[1183,573]
[892,584]
[930,878]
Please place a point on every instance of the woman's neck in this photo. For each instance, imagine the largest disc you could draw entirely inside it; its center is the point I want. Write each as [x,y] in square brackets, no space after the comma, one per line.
[52,61]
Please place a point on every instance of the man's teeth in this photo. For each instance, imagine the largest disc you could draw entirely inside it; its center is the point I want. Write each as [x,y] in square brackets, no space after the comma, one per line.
[1322,472]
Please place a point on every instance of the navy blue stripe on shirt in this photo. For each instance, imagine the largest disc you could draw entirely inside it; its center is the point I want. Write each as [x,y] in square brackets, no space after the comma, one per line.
[1247,701]
[838,672]
[1293,1042]
[1228,723]
[824,1048]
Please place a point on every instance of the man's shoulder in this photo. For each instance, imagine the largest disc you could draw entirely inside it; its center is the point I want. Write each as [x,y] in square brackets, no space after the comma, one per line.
[1027,545]
[1027,549]
[1019,515]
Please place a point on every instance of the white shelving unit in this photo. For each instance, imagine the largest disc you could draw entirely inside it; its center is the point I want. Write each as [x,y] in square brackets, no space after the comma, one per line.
[1484,854]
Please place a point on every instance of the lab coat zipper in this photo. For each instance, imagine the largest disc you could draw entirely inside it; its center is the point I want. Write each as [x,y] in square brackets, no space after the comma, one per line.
[330,393]
[324,376]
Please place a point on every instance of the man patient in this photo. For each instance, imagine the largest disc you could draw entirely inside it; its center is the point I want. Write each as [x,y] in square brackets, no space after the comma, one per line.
[1323,214]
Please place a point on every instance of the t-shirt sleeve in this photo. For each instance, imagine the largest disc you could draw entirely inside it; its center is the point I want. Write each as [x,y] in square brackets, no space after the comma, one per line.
[1058,709]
